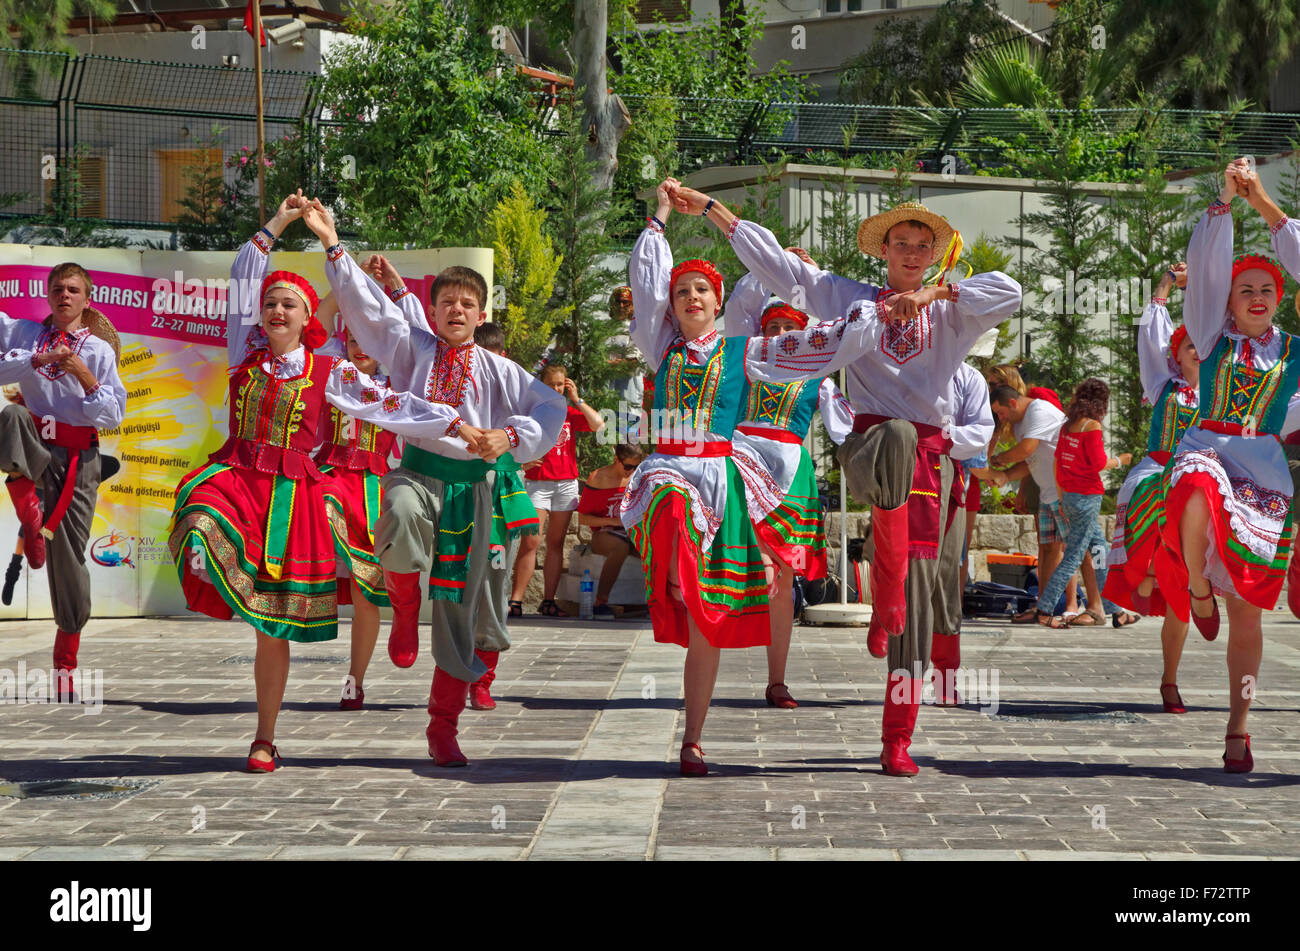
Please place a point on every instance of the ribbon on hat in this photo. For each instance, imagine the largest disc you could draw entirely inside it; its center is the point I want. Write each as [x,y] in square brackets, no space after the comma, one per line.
[950,257]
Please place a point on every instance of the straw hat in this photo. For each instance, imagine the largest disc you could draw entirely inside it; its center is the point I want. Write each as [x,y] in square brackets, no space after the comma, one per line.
[871,233]
[102,327]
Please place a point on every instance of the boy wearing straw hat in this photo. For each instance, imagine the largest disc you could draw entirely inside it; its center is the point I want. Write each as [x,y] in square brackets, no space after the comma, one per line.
[67,365]
[897,459]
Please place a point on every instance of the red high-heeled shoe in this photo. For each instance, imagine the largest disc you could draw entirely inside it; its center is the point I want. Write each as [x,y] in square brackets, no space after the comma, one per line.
[1175,705]
[691,768]
[778,695]
[1243,765]
[262,766]
[355,702]
[1208,626]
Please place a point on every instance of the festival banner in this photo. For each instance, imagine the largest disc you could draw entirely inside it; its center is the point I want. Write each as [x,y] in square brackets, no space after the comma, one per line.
[169,309]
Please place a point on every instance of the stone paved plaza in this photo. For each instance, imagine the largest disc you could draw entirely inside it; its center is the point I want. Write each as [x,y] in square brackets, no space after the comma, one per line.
[579,758]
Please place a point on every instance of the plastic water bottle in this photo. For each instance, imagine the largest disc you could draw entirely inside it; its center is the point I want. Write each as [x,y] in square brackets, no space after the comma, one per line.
[588,595]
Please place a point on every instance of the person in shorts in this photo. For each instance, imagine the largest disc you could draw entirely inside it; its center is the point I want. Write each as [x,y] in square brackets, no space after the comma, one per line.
[552,484]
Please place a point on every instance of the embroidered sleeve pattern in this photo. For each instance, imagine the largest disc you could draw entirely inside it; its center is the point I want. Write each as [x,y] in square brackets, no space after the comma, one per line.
[1279,226]
[396,294]
[334,253]
[512,436]
[1217,208]
[262,240]
[454,428]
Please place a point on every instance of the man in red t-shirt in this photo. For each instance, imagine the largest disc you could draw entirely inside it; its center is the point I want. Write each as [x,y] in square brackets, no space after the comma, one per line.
[552,484]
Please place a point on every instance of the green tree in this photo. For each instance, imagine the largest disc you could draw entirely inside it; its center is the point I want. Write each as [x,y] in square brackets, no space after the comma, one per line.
[1149,228]
[579,222]
[1073,228]
[62,222]
[1206,52]
[920,55]
[219,208]
[432,123]
[982,256]
[1288,197]
[525,265]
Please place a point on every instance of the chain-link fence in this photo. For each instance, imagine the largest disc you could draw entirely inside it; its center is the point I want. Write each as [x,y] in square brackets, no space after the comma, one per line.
[128,131]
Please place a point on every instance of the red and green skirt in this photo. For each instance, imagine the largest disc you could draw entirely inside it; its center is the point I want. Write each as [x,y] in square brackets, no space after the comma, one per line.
[256,546]
[793,530]
[352,500]
[1139,523]
[723,587]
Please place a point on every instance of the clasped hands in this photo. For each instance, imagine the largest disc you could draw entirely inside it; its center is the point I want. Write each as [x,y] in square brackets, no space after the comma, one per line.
[69,362]
[489,444]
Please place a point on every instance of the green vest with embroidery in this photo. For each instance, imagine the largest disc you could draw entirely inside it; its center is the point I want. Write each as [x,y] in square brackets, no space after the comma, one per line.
[710,397]
[1236,393]
[1170,418]
[788,406]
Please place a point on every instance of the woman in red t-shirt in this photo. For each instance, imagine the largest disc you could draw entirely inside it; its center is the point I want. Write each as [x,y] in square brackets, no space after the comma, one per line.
[602,498]
[1080,460]
[552,484]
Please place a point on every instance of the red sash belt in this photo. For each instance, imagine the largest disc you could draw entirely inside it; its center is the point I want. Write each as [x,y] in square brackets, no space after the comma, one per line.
[776,435]
[69,437]
[1229,429]
[673,447]
[923,502]
[1161,456]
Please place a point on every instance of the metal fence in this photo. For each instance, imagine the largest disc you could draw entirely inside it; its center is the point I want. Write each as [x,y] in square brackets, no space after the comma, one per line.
[130,127]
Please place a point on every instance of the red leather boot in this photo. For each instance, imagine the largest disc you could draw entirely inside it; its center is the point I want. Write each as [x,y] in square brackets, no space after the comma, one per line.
[479,696]
[945,656]
[900,719]
[889,568]
[65,662]
[404,636]
[22,491]
[446,701]
[877,639]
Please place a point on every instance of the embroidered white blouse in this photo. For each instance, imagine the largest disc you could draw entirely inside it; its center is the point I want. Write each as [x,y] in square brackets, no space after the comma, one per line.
[482,389]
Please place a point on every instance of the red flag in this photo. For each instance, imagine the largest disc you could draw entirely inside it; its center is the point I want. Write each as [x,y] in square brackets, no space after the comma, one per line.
[248,21]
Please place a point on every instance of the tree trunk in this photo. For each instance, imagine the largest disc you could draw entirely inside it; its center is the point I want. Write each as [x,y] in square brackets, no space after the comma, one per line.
[604,116]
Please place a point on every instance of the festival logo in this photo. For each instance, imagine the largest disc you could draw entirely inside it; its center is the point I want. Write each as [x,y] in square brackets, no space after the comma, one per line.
[112,550]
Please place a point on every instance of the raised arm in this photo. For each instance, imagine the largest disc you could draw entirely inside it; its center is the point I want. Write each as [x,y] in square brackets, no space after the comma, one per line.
[1286,245]
[805,287]
[972,306]
[743,315]
[244,332]
[837,412]
[361,397]
[1155,330]
[1209,272]
[650,275]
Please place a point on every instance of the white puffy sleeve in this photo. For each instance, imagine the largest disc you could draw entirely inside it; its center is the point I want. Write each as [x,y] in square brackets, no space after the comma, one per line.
[244,332]
[817,293]
[743,315]
[1155,330]
[1209,279]
[537,411]
[973,424]
[379,325]
[649,274]
[837,412]
[1286,245]
[361,397]
[816,351]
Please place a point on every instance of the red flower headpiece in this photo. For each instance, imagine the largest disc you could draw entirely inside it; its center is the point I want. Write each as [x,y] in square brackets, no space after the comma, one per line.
[781,309]
[1176,341]
[313,334]
[1247,262]
[704,267]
